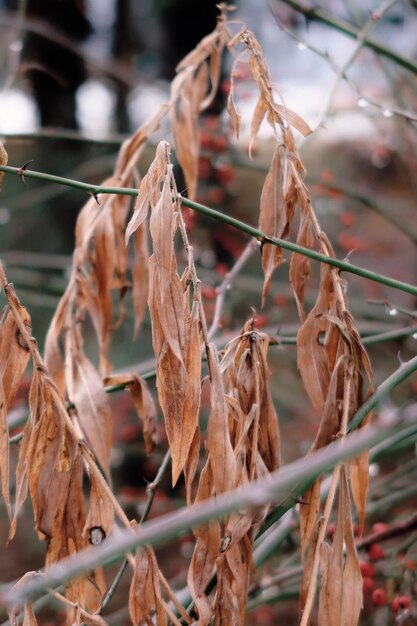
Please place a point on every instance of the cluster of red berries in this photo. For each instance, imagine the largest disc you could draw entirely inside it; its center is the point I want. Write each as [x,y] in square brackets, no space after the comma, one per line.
[379,595]
[214,169]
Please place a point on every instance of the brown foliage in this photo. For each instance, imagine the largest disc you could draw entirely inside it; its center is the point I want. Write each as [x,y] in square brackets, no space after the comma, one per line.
[69,429]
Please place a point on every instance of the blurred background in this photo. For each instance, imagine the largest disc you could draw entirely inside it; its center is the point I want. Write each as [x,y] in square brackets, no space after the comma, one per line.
[77,76]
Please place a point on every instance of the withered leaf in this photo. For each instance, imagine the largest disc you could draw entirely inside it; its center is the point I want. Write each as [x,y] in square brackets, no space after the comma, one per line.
[191,407]
[29,618]
[143,403]
[86,392]
[3,161]
[140,276]
[309,514]
[340,599]
[100,516]
[218,439]
[352,601]
[272,219]
[145,599]
[294,119]
[205,553]
[311,357]
[48,462]
[14,357]
[300,264]
[191,93]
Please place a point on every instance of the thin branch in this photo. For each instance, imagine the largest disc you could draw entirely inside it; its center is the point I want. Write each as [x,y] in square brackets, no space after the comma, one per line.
[363,100]
[152,487]
[361,38]
[226,284]
[392,531]
[393,309]
[312,13]
[97,190]
[65,134]
[119,71]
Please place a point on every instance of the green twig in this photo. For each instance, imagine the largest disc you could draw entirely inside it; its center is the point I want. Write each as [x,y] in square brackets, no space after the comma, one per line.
[97,190]
[319,15]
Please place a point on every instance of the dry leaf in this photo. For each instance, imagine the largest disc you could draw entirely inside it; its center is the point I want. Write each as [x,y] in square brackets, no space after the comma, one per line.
[145,599]
[341,594]
[14,357]
[218,439]
[86,392]
[205,553]
[29,618]
[140,276]
[100,518]
[3,161]
[143,403]
[192,91]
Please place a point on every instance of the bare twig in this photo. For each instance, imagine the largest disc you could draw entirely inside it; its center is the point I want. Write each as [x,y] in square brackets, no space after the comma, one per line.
[361,38]
[313,13]
[395,530]
[226,284]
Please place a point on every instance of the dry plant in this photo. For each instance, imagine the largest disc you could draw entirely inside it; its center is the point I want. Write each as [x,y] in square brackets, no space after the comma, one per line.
[68,435]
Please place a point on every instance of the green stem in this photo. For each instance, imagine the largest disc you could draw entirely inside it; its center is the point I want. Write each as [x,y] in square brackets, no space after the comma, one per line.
[319,15]
[405,370]
[97,190]
[293,247]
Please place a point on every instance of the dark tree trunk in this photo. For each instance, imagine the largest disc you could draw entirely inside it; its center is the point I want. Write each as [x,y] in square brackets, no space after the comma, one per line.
[54,71]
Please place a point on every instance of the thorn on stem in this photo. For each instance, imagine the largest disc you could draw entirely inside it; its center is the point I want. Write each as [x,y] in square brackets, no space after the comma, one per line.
[20,171]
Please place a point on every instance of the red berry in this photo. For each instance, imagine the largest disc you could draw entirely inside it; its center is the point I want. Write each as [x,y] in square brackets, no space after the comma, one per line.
[367,569]
[327,176]
[379,597]
[225,174]
[128,433]
[400,603]
[216,195]
[205,140]
[204,168]
[261,320]
[220,144]
[212,122]
[222,269]
[376,552]
[349,242]
[225,86]
[411,565]
[347,218]
[281,300]
[367,585]
[379,527]
[209,292]
[331,529]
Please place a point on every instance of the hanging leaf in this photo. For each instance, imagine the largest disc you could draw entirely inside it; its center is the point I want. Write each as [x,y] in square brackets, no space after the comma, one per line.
[143,403]
[14,357]
[145,599]
[86,392]
[218,439]
[3,161]
[206,552]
